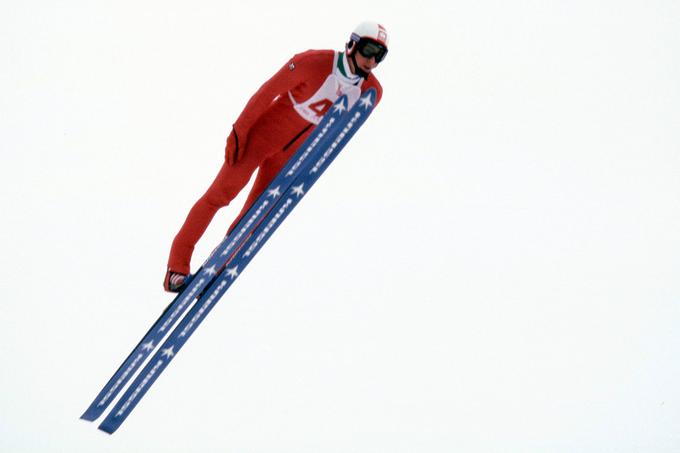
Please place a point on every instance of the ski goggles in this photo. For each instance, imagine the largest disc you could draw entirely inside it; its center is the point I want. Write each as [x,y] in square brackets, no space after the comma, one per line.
[369,48]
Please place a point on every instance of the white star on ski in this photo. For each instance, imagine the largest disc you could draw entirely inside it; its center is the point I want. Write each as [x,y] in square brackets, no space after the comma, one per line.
[148,346]
[275,192]
[339,107]
[366,101]
[233,272]
[297,190]
[211,270]
[168,352]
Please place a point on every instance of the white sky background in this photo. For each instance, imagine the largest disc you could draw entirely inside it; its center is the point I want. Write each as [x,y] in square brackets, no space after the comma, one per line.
[490,266]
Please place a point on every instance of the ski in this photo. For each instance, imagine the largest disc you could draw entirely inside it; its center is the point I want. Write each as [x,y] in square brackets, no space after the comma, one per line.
[218,259]
[282,208]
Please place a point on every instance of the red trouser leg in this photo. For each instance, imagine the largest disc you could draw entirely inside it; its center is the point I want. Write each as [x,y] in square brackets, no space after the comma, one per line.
[267,172]
[228,183]
[263,150]
[226,186]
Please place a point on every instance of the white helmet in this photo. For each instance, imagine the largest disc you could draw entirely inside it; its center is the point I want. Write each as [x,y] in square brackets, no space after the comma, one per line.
[370,39]
[371,30]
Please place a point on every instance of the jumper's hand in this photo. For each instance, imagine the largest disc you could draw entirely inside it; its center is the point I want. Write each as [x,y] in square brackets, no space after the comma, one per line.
[235,148]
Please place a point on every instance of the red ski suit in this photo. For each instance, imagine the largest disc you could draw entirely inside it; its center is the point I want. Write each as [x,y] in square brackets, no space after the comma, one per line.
[274,123]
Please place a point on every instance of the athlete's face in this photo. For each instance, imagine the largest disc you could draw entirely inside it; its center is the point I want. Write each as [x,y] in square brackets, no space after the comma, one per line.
[365,64]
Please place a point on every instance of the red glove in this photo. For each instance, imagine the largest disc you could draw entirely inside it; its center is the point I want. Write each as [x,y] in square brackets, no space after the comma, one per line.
[235,148]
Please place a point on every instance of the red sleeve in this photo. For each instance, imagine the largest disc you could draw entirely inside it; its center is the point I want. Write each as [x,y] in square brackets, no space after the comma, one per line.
[296,71]
[372,82]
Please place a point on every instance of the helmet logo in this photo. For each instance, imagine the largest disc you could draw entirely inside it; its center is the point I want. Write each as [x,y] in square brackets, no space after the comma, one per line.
[382,33]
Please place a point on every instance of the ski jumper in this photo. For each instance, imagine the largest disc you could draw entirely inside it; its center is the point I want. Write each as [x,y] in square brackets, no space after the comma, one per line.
[274,123]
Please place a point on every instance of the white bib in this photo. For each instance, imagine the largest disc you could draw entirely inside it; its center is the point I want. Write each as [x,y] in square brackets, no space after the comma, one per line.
[335,85]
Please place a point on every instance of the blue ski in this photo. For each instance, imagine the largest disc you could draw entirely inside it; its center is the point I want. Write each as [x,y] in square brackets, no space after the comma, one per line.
[284,205]
[323,132]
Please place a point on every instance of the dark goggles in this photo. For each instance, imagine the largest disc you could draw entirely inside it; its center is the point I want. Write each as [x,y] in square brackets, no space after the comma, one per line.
[369,48]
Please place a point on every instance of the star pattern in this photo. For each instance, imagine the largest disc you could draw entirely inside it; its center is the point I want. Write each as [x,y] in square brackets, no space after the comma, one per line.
[233,272]
[366,101]
[168,352]
[148,346]
[298,190]
[275,192]
[340,107]
[211,270]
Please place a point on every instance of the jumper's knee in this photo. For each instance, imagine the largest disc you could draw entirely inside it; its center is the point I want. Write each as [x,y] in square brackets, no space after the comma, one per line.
[216,199]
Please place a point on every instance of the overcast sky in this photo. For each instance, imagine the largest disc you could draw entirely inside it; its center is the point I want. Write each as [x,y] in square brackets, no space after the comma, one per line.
[490,266]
